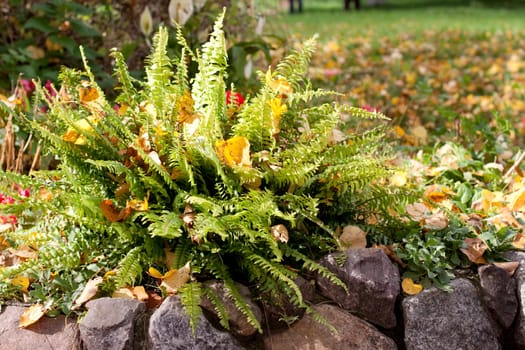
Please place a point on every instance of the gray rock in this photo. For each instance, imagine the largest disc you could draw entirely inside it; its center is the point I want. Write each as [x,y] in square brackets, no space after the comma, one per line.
[518,332]
[169,329]
[438,320]
[499,294]
[57,333]
[352,333]
[279,311]
[238,322]
[110,323]
[372,281]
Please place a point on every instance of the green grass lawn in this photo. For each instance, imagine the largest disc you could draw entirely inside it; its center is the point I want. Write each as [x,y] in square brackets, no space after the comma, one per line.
[328,19]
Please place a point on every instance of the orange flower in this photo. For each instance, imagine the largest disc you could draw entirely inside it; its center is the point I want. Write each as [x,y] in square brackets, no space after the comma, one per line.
[234,152]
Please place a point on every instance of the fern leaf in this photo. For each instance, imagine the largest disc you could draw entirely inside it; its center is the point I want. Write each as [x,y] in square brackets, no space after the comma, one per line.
[190,297]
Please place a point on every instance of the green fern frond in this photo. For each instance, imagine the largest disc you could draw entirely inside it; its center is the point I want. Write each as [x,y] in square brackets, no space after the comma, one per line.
[361,113]
[129,268]
[295,66]
[167,225]
[127,90]
[190,297]
[220,308]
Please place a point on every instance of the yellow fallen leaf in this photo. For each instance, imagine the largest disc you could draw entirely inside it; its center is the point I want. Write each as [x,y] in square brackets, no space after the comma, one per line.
[22,282]
[234,152]
[517,200]
[411,288]
[353,237]
[176,278]
[399,179]
[153,272]
[31,315]
[89,291]
[474,250]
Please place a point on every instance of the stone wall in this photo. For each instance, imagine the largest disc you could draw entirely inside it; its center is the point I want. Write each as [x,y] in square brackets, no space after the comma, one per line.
[484,311]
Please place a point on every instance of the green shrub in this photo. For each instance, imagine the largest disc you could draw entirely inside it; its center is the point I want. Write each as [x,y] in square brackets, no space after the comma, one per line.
[248,192]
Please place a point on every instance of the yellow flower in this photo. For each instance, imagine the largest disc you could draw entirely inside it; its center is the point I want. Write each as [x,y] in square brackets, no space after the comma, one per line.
[278,108]
[234,152]
[279,85]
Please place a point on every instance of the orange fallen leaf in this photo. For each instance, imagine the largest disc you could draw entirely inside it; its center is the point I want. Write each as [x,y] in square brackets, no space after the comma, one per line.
[111,213]
[411,288]
[153,272]
[87,93]
[474,250]
[519,241]
[353,237]
[140,293]
[517,200]
[31,315]
[89,291]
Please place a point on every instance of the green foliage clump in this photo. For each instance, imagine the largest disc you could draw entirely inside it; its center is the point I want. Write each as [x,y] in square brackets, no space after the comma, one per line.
[248,192]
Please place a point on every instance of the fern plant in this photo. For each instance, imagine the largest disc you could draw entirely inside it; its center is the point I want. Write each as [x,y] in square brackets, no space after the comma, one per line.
[251,196]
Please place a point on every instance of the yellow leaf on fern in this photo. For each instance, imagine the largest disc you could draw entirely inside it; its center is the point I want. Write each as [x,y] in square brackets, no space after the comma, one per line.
[234,152]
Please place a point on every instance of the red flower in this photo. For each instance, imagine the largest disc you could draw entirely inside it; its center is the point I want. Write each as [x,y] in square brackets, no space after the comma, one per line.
[27,85]
[234,98]
[370,108]
[13,219]
[50,89]
[24,192]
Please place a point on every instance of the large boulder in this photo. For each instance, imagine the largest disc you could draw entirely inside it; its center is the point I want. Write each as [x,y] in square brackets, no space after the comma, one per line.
[110,323]
[499,294]
[169,329]
[58,333]
[439,320]
[372,281]
[352,333]
[239,324]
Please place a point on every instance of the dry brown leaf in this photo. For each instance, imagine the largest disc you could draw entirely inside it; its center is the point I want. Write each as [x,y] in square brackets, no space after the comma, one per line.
[279,233]
[176,278]
[436,221]
[417,211]
[125,293]
[23,252]
[509,266]
[353,237]
[475,248]
[90,290]
[411,288]
[111,213]
[31,315]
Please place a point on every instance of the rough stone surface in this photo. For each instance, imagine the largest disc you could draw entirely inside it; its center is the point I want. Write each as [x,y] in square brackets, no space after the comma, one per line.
[278,308]
[169,329]
[239,324]
[518,332]
[372,281]
[353,334]
[48,333]
[499,294]
[438,320]
[110,323]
